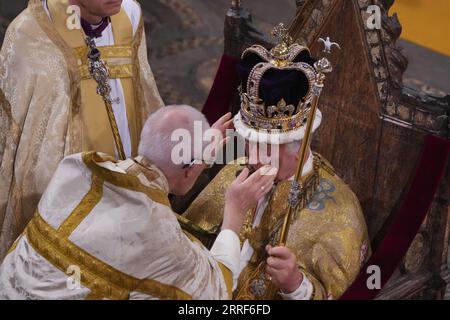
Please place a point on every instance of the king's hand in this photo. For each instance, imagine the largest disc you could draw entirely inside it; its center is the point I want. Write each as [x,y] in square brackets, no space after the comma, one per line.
[282,269]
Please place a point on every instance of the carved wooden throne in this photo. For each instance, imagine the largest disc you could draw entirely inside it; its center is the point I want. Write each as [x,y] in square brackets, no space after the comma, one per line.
[373,125]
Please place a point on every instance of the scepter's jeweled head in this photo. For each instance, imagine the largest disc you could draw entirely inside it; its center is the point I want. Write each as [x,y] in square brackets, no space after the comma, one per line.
[276,91]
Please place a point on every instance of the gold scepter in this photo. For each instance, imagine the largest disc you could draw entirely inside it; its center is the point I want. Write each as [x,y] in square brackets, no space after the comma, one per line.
[322,67]
[100,73]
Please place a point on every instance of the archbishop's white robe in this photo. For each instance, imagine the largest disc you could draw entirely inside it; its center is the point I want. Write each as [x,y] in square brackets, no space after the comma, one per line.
[105,230]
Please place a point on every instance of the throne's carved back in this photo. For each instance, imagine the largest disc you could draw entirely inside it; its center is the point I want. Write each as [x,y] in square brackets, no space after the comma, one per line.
[373,126]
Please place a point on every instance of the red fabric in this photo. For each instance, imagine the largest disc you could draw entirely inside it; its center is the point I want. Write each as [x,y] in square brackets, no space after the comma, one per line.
[408,220]
[223,90]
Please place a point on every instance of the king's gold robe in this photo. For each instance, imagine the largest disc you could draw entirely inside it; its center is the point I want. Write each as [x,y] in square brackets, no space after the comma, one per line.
[109,227]
[328,236]
[49,107]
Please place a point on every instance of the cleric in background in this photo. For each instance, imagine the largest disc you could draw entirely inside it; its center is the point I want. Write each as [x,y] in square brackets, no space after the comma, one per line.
[49,107]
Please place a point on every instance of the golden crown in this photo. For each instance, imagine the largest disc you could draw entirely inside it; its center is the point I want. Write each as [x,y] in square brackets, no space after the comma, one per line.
[281,117]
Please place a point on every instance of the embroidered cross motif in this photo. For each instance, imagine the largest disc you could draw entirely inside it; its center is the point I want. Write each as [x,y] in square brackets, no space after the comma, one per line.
[323,193]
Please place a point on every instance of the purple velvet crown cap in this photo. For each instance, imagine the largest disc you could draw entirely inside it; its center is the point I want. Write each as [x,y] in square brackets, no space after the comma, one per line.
[276,84]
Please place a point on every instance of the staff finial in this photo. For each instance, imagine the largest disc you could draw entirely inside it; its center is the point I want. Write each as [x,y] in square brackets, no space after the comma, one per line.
[329,44]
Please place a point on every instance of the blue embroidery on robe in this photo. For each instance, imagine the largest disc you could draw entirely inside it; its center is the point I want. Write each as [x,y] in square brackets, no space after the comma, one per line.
[322,194]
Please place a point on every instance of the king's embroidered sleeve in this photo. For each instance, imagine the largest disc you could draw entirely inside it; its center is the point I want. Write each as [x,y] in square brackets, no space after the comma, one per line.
[334,263]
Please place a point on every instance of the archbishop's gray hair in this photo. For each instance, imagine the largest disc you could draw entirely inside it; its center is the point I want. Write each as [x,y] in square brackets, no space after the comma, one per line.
[156,137]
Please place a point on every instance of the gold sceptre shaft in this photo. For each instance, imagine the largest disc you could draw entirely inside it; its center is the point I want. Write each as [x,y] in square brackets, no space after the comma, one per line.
[297,185]
[115,130]
[322,66]
[296,188]
[100,73]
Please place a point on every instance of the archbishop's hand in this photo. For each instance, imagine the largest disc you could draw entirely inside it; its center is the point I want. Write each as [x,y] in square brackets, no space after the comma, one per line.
[244,193]
[224,123]
[219,136]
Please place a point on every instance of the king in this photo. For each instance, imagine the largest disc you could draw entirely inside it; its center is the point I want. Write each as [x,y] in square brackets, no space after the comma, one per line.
[326,240]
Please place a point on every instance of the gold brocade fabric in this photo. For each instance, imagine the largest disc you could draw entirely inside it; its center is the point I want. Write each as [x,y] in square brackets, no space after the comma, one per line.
[96,132]
[117,58]
[103,280]
[40,111]
[329,236]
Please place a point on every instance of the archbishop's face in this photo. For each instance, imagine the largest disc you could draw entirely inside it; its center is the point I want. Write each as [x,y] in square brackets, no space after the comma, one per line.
[102,8]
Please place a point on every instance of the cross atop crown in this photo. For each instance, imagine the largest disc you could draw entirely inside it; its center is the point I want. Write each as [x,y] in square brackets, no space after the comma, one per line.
[282,33]
[281,50]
